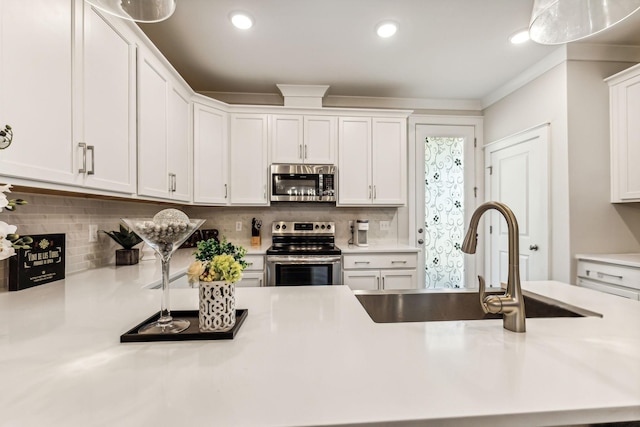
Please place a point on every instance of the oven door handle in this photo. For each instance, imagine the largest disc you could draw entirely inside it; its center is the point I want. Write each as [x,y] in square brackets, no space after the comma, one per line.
[315,259]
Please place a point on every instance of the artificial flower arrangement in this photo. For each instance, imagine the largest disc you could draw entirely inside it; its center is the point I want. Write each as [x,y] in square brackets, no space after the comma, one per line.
[9,241]
[217,261]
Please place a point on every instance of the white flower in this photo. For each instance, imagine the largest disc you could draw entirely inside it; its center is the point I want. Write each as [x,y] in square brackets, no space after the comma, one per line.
[6,248]
[5,188]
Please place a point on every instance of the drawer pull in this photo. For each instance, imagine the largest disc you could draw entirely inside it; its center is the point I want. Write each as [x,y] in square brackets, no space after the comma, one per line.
[398,262]
[362,262]
[249,264]
[600,275]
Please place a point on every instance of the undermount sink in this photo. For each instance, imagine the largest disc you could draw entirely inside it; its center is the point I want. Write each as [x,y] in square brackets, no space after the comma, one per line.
[430,306]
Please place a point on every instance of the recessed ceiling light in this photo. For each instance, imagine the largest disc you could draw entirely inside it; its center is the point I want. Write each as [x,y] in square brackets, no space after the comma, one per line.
[386,29]
[519,37]
[241,20]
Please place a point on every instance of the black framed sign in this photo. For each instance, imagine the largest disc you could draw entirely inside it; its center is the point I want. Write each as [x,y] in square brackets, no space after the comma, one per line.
[42,263]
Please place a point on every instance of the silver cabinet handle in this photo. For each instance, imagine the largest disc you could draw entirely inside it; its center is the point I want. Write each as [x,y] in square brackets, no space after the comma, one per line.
[83,169]
[420,230]
[533,247]
[382,282]
[226,191]
[260,282]
[369,191]
[92,171]
[172,182]
[420,241]
[300,151]
[398,262]
[374,192]
[175,182]
[305,151]
[362,262]
[378,279]
[600,275]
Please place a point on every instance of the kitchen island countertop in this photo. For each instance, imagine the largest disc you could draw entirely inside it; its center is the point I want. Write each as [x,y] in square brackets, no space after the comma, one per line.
[307,356]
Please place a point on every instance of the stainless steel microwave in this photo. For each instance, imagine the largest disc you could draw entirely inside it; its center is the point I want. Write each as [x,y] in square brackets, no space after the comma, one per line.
[303,183]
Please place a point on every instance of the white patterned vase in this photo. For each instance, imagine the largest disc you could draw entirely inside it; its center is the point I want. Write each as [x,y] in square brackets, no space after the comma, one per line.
[217,306]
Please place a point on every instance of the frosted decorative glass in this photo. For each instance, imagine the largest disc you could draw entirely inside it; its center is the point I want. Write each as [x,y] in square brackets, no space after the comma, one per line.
[444,212]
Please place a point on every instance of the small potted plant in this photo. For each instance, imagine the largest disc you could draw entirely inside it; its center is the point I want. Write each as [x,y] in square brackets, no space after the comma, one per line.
[126,238]
[218,266]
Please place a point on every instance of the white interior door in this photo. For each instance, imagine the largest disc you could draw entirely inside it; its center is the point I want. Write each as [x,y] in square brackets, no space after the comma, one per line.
[517,175]
[445,200]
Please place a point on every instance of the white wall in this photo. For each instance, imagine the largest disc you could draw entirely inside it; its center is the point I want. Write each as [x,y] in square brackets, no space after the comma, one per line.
[574,99]
[596,225]
[543,100]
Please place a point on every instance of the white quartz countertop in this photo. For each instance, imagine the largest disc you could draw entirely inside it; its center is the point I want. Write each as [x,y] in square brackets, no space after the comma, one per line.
[629,260]
[307,356]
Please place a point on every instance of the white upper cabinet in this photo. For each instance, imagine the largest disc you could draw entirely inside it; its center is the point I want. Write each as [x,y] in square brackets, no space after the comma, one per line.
[624,91]
[106,127]
[153,106]
[303,139]
[389,160]
[354,161]
[164,144]
[180,145]
[35,81]
[372,161]
[210,142]
[249,161]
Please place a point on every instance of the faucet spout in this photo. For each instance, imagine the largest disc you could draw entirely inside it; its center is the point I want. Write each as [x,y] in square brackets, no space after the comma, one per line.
[511,304]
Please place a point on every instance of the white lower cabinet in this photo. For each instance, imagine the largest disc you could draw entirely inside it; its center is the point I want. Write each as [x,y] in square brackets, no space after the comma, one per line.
[380,271]
[609,277]
[253,275]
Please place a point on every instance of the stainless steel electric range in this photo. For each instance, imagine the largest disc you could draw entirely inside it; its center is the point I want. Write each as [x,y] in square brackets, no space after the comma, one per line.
[303,253]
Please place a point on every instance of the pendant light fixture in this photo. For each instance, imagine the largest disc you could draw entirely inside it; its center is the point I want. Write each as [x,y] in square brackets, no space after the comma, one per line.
[564,21]
[137,10]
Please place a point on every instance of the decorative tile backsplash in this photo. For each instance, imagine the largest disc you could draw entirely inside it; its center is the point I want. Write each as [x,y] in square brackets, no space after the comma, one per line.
[73,215]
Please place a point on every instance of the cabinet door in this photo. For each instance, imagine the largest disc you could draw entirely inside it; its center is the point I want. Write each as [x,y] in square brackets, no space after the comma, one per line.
[625,141]
[108,89]
[286,139]
[354,161]
[399,279]
[210,142]
[389,161]
[35,82]
[362,279]
[153,91]
[320,140]
[249,161]
[179,144]
[251,279]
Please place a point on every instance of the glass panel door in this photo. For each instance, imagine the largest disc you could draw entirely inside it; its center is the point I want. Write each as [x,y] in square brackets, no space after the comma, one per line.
[445,202]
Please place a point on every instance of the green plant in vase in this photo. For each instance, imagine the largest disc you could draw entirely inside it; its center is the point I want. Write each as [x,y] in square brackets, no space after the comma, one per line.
[126,238]
[207,267]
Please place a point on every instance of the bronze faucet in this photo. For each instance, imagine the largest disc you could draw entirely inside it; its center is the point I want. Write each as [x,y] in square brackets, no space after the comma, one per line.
[511,304]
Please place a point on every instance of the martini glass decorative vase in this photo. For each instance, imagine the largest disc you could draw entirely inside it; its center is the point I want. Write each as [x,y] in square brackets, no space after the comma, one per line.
[165,232]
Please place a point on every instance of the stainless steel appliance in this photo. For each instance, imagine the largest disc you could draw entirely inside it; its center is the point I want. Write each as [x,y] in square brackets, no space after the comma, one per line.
[303,253]
[303,183]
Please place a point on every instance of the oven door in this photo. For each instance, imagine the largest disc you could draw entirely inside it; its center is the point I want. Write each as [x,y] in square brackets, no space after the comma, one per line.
[303,270]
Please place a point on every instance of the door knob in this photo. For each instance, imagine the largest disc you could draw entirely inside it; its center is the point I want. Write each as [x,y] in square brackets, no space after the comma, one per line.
[533,247]
[420,241]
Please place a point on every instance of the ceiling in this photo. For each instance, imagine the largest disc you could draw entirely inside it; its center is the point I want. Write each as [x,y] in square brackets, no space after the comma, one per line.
[444,49]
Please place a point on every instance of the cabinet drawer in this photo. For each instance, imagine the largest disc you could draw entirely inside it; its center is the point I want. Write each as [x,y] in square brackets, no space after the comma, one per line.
[255,262]
[365,261]
[613,274]
[609,289]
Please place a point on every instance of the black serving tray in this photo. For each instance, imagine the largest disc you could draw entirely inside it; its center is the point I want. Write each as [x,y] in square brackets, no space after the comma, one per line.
[191,333]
